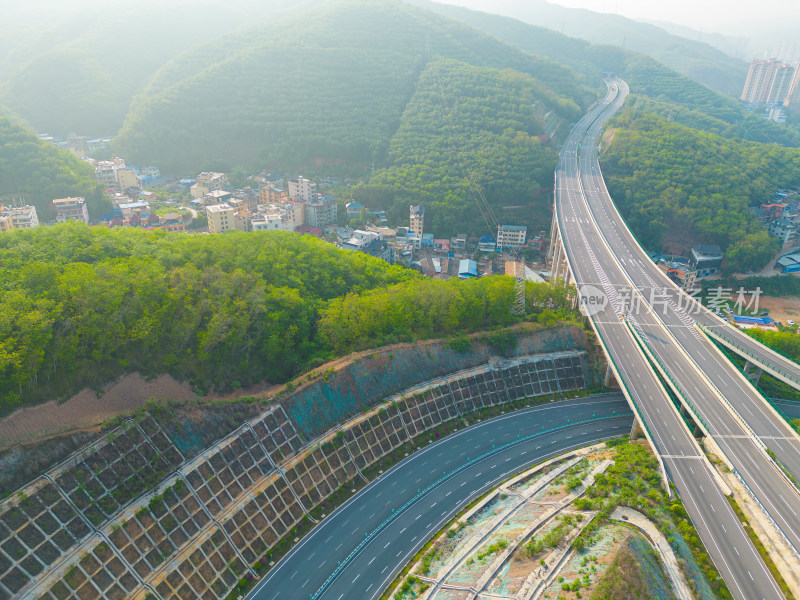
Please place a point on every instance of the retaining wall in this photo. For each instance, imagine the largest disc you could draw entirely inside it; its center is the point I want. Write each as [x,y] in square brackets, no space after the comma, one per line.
[128,517]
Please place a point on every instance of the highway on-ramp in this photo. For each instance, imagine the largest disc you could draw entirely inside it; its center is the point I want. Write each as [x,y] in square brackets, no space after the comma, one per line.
[302,573]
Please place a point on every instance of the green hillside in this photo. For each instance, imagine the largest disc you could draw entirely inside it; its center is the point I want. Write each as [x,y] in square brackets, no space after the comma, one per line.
[38,172]
[83,304]
[645,75]
[669,179]
[697,60]
[472,123]
[74,67]
[327,88]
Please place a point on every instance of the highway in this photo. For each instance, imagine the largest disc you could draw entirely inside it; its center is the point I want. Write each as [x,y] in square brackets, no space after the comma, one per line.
[594,261]
[302,572]
[735,414]
[679,313]
[781,367]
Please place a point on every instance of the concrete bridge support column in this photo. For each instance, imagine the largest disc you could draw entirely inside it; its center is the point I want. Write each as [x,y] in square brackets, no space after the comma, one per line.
[555,267]
[555,236]
[753,375]
[636,429]
[610,381]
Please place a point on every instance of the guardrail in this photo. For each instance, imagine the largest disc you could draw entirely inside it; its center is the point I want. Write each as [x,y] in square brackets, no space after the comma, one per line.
[766,513]
[471,461]
[756,358]
[640,335]
[780,413]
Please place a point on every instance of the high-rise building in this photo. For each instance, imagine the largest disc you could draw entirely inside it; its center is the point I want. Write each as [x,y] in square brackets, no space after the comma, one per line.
[793,96]
[781,82]
[416,227]
[768,82]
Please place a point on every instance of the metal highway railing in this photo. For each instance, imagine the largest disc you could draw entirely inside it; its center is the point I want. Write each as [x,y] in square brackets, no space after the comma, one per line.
[675,386]
[756,357]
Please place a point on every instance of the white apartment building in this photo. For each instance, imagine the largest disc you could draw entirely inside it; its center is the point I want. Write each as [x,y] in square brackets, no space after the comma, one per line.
[208,181]
[511,236]
[220,218]
[302,189]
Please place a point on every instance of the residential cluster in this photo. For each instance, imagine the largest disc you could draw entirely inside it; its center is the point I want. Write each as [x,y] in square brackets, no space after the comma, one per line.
[774,85]
[291,204]
[460,256]
[781,215]
[297,206]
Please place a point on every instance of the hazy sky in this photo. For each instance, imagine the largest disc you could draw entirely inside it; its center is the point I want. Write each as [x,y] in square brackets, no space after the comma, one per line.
[707,15]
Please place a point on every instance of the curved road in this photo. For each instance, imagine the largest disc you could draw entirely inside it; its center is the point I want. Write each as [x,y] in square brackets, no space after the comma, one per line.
[598,260]
[308,566]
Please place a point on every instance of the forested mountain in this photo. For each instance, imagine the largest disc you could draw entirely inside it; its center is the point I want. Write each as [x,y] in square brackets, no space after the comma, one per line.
[75,66]
[326,87]
[467,123]
[696,60]
[83,304]
[667,179]
[645,75]
[38,172]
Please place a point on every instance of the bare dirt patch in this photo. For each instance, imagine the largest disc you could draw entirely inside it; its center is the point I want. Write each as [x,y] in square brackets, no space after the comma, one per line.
[86,409]
[781,309]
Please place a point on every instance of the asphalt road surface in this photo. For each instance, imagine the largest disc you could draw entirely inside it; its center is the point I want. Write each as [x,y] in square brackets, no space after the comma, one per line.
[302,573]
[597,259]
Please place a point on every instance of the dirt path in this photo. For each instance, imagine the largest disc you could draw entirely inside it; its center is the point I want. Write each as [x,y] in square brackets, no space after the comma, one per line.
[86,410]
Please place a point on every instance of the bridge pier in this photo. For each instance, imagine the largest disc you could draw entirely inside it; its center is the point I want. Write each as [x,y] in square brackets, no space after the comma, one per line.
[555,238]
[610,380]
[754,375]
[636,430]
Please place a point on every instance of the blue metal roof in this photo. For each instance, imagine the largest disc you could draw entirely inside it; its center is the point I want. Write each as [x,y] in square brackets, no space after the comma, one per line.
[467,268]
[754,320]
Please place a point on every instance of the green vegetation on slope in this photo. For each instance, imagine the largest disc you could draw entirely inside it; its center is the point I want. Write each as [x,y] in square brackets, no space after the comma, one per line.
[783,342]
[464,124]
[668,178]
[82,305]
[425,307]
[644,74]
[38,172]
[634,481]
[69,67]
[696,60]
[328,88]
[623,580]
